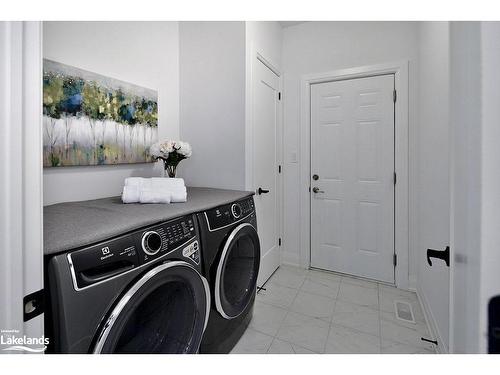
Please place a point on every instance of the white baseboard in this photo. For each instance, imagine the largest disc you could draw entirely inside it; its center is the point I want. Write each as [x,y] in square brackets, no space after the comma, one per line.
[268,265]
[441,347]
[412,283]
[289,258]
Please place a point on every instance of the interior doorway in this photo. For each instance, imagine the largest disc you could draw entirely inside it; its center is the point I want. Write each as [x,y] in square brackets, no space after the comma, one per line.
[266,170]
[403,197]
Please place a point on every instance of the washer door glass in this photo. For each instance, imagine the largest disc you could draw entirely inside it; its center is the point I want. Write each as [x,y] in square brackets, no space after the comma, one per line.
[237,271]
[164,312]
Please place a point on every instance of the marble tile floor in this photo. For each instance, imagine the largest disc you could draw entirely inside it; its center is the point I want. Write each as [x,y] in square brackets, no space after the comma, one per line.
[311,311]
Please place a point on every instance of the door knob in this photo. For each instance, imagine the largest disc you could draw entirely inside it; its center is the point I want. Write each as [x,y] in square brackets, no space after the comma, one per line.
[262,191]
[316,190]
[315,177]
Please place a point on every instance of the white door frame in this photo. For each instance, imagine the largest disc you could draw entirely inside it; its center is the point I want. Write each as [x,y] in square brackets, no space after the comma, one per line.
[401,158]
[257,56]
[21,181]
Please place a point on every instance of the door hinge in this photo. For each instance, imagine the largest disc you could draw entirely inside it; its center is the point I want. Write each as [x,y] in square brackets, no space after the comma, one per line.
[279,95]
[394,96]
[279,241]
[395,178]
[279,168]
[395,260]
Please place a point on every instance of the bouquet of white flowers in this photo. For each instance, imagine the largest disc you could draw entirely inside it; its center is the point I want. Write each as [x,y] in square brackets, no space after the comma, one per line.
[171,153]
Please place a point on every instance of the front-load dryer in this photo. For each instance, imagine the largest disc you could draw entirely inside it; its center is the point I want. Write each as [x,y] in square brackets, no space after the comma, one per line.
[142,292]
[231,259]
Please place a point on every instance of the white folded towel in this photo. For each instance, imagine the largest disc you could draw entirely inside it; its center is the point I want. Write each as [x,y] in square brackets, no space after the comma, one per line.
[154,190]
[130,194]
[138,181]
[171,184]
[154,196]
[178,196]
[133,181]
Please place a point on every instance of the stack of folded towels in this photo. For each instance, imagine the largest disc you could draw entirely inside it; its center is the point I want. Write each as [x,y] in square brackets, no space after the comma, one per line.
[154,190]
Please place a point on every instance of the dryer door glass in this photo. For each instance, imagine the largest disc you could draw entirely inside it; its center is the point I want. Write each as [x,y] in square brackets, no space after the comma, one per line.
[164,312]
[237,271]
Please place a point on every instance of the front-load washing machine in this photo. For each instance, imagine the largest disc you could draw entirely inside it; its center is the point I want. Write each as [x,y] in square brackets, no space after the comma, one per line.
[142,292]
[231,259]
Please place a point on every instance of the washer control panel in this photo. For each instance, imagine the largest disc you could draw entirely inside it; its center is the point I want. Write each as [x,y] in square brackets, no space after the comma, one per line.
[111,258]
[230,213]
[166,237]
[151,242]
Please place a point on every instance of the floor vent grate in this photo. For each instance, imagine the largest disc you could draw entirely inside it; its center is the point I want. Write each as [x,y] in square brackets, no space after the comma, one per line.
[404,311]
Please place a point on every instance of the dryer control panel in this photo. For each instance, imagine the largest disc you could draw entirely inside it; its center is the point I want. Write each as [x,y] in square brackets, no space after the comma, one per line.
[121,254]
[228,214]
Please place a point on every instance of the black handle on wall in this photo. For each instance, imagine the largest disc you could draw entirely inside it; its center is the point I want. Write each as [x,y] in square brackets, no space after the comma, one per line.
[262,191]
[444,255]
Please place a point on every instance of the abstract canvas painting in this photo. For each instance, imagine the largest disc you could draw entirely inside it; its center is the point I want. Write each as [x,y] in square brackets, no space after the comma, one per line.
[91,119]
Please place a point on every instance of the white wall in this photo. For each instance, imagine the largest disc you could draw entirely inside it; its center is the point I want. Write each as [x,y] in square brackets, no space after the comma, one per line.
[266,37]
[201,70]
[433,193]
[212,102]
[315,47]
[465,120]
[143,53]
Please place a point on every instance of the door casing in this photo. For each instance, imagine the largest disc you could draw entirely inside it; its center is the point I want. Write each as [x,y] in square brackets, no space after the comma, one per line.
[21,179]
[401,154]
[256,57]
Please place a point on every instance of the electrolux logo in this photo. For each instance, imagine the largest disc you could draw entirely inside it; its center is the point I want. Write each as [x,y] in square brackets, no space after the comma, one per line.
[13,342]
[106,253]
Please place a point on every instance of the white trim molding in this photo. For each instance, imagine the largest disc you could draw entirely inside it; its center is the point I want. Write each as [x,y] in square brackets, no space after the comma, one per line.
[21,209]
[430,321]
[400,70]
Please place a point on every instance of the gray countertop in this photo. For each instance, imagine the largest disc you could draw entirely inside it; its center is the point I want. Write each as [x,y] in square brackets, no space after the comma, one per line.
[72,225]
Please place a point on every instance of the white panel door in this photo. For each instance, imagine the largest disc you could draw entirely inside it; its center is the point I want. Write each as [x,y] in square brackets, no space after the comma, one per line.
[352,155]
[265,165]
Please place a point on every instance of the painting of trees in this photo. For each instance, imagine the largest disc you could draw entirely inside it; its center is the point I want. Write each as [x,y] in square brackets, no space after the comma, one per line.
[90,119]
[52,96]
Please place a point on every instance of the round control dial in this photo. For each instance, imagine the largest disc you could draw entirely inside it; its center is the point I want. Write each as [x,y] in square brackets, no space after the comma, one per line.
[236,210]
[151,242]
